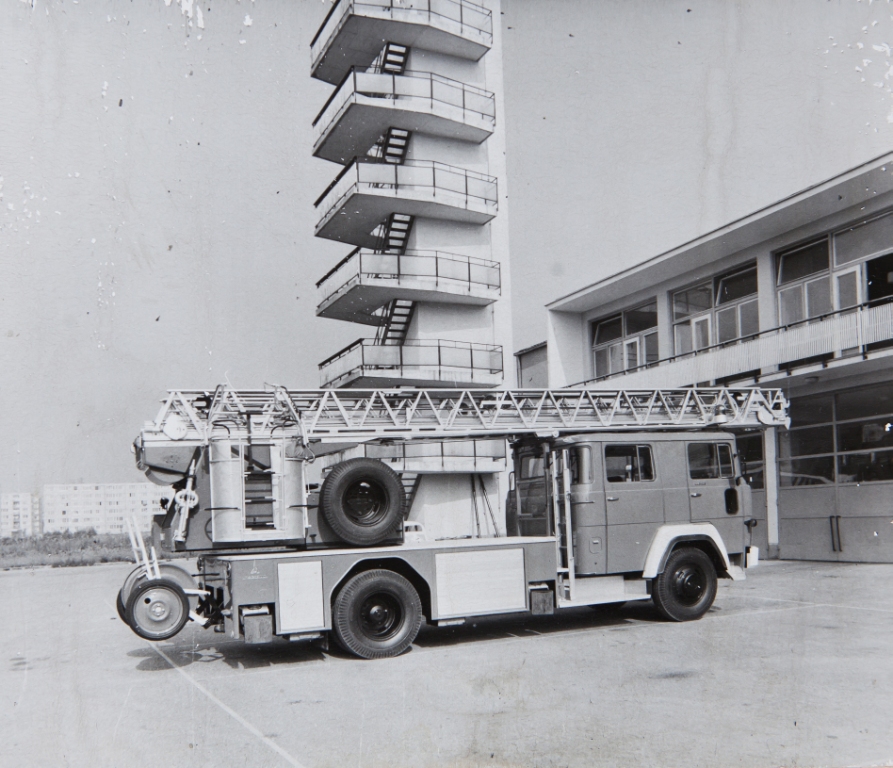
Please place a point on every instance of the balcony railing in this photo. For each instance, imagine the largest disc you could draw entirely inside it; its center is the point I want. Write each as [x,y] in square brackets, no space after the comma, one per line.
[423,187]
[429,176]
[419,270]
[442,455]
[839,334]
[437,360]
[422,92]
[461,18]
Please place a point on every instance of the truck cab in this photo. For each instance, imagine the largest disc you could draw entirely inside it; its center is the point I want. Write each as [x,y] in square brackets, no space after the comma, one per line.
[628,489]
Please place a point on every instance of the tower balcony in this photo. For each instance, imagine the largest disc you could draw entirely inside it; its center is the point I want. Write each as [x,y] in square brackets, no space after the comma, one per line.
[365,281]
[415,363]
[367,103]
[365,193]
[353,32]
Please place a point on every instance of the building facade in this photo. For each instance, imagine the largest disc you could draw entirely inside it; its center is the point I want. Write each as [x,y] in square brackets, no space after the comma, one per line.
[798,295]
[102,508]
[19,515]
[414,127]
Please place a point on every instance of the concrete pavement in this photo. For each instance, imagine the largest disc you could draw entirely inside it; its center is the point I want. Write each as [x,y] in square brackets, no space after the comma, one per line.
[791,667]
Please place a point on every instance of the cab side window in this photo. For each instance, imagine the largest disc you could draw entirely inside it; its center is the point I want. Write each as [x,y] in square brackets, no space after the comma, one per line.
[708,461]
[628,463]
[531,466]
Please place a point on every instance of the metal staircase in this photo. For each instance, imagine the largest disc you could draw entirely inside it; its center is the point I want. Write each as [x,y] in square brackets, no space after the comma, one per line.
[393,59]
[397,319]
[396,315]
[395,233]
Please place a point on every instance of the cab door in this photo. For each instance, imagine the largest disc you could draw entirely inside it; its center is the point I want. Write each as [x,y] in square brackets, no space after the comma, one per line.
[713,495]
[633,502]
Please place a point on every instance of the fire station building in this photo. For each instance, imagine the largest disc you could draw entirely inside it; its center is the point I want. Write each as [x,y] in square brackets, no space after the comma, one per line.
[798,295]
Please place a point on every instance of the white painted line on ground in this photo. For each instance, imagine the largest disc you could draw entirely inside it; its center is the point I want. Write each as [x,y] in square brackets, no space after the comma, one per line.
[819,605]
[231,712]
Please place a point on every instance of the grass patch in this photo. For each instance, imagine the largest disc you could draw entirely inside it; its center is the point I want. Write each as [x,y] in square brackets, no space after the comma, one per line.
[61,549]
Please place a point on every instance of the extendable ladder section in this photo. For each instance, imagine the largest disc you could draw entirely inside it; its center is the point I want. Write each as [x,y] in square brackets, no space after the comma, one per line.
[400,414]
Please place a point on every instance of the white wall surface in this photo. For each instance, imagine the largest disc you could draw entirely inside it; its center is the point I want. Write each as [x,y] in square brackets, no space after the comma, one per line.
[635,126]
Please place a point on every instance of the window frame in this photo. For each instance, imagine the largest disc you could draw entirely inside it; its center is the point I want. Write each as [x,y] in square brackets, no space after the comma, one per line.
[639,448]
[712,315]
[617,350]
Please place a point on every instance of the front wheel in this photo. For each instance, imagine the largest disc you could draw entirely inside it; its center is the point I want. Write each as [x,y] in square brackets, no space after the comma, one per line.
[377,614]
[687,587]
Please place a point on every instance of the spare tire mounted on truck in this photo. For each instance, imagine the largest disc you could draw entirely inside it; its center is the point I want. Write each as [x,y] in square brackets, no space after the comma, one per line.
[363,501]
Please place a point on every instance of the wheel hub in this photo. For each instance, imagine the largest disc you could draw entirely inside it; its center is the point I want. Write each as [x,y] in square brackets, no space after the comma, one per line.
[365,502]
[158,610]
[380,616]
[689,584]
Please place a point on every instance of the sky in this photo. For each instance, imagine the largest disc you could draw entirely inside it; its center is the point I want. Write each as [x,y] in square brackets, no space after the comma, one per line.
[157,185]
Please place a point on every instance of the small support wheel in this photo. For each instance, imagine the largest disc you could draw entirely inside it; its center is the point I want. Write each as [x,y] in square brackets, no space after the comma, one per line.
[687,587]
[157,609]
[122,609]
[169,572]
[377,614]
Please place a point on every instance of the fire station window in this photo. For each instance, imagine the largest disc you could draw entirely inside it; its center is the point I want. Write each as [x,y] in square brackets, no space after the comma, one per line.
[625,341]
[716,311]
[707,461]
[804,284]
[628,463]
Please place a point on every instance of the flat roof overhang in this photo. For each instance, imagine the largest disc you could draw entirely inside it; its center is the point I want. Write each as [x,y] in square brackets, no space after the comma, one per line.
[856,186]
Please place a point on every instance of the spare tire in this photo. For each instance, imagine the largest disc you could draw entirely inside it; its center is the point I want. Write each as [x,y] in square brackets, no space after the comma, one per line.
[362,500]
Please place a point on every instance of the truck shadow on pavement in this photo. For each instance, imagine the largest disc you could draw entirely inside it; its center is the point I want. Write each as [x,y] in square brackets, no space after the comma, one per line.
[216,650]
[204,647]
[486,629]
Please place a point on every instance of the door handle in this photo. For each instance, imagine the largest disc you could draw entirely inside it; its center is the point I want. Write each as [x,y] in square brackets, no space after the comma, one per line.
[696,495]
[613,498]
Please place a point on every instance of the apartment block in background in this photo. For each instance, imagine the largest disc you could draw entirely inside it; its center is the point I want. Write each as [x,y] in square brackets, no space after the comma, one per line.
[104,508]
[19,515]
[798,295]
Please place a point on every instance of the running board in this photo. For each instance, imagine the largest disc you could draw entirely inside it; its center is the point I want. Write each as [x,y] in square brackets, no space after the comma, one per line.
[593,590]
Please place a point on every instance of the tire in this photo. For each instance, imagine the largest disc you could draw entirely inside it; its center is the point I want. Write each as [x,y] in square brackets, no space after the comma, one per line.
[687,587]
[363,502]
[157,609]
[122,608]
[168,571]
[377,614]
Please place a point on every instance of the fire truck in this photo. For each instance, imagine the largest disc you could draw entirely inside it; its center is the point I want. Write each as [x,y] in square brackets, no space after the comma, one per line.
[615,496]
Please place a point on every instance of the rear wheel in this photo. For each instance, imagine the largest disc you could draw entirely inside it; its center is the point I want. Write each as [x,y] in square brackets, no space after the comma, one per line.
[157,609]
[377,614]
[687,587]
[363,501]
